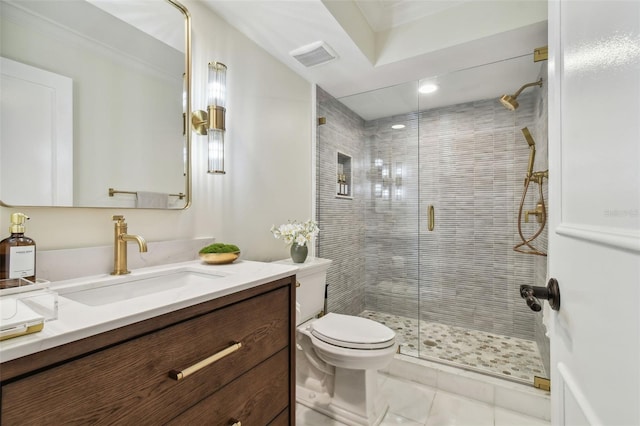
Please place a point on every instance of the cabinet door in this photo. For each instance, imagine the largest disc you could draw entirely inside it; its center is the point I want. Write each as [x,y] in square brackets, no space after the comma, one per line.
[129,383]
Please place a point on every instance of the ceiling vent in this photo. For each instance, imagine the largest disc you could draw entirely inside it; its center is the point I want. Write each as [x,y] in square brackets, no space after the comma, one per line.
[314,54]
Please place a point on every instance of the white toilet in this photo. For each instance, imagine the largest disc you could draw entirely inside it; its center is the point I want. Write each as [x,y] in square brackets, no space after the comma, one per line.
[338,355]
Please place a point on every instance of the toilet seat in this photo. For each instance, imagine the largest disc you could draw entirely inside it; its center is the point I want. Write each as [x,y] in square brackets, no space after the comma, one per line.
[352,332]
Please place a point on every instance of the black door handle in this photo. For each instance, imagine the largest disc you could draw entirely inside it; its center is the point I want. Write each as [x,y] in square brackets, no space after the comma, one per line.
[551,293]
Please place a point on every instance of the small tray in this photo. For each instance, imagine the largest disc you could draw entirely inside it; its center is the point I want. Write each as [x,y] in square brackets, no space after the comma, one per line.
[25,307]
[18,318]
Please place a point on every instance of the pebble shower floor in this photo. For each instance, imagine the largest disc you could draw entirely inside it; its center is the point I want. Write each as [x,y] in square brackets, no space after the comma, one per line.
[491,353]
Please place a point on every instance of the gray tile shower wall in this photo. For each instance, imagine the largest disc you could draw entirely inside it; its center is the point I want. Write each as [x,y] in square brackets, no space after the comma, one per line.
[341,220]
[469,162]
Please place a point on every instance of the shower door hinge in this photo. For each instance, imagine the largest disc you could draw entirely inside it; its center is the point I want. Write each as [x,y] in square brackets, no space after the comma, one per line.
[540,54]
[541,383]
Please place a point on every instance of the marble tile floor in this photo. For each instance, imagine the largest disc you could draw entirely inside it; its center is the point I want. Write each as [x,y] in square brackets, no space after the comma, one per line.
[414,404]
[503,356]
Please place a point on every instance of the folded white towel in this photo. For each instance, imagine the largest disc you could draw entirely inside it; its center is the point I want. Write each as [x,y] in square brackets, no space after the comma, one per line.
[152,200]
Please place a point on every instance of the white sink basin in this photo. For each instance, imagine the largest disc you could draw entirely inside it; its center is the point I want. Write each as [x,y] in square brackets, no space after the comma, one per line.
[119,289]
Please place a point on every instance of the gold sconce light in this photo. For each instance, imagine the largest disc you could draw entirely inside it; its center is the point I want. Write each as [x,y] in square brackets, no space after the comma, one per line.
[212,121]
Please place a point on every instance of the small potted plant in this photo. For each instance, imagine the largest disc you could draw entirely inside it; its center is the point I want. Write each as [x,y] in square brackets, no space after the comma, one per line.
[298,235]
[219,253]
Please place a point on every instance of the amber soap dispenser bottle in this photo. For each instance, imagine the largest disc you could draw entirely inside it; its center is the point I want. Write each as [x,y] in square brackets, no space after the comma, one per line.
[18,252]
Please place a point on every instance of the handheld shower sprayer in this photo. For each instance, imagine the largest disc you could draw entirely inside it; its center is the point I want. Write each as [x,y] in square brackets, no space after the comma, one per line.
[509,101]
[540,211]
[532,150]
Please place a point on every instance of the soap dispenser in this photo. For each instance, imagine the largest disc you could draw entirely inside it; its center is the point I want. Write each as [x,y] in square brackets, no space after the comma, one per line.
[18,252]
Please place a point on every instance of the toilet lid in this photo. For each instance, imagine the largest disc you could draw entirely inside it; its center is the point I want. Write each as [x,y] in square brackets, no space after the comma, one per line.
[352,332]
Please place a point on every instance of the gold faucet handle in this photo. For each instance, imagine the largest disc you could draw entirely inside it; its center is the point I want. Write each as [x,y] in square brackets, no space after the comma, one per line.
[118,217]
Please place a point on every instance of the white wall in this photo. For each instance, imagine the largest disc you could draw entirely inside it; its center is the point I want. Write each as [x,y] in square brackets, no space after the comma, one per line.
[268,159]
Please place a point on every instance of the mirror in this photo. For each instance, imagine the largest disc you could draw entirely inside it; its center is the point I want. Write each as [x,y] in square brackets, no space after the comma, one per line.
[94,99]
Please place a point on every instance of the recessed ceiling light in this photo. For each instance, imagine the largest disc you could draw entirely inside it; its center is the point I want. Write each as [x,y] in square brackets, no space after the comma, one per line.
[398,126]
[428,88]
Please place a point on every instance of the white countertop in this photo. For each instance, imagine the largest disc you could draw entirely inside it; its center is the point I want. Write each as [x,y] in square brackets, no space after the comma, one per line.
[77,320]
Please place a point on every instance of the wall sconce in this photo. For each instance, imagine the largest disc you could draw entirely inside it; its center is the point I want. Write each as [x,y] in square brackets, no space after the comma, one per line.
[212,121]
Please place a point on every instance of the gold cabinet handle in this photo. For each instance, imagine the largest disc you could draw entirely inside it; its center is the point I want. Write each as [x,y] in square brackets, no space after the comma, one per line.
[179,375]
[297,283]
[432,218]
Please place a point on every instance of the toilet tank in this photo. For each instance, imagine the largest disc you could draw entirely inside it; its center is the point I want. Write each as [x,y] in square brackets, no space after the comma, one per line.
[312,276]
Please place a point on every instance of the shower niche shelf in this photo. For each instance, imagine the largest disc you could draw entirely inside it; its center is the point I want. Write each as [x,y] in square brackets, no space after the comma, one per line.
[343,178]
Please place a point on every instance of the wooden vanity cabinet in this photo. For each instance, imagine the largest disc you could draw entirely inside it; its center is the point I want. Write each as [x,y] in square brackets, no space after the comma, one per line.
[124,376]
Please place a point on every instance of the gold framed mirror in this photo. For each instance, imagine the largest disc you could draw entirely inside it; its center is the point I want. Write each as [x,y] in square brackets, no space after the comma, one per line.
[95,95]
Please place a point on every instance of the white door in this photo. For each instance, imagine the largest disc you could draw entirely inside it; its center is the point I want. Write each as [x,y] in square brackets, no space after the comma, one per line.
[36,136]
[594,209]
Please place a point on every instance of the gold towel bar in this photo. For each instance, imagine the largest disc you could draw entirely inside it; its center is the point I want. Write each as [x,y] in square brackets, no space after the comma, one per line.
[179,375]
[117,191]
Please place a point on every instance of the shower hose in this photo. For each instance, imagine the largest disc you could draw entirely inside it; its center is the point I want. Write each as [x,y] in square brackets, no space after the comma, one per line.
[520,248]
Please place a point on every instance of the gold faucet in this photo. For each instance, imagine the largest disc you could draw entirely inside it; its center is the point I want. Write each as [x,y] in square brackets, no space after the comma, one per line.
[120,246]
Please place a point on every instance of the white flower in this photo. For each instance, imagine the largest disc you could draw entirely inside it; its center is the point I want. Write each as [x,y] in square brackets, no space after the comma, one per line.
[294,232]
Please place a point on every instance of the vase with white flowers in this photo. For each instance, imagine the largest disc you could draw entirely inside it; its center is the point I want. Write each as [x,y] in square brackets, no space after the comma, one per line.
[298,235]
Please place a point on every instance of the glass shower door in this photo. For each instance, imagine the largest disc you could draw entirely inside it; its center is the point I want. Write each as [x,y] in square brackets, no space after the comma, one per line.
[389,189]
[473,160]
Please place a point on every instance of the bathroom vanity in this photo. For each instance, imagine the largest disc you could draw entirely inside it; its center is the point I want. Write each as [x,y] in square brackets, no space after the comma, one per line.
[222,361]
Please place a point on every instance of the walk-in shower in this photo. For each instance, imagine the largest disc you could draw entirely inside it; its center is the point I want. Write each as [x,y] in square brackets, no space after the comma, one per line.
[424,240]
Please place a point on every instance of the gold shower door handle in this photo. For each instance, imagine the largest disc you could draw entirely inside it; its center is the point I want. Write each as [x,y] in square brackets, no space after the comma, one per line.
[179,375]
[432,218]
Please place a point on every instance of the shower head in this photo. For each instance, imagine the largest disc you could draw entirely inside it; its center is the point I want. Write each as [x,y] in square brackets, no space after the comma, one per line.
[528,137]
[509,101]
[532,150]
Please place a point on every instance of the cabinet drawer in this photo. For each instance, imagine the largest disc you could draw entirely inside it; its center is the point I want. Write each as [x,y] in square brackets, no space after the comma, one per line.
[255,398]
[129,383]
[283,418]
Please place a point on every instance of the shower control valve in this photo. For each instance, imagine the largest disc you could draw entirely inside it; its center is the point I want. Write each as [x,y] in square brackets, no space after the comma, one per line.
[538,212]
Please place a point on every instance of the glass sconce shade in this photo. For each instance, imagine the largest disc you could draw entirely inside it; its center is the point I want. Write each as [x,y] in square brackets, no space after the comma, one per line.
[216,152]
[217,85]
[212,121]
